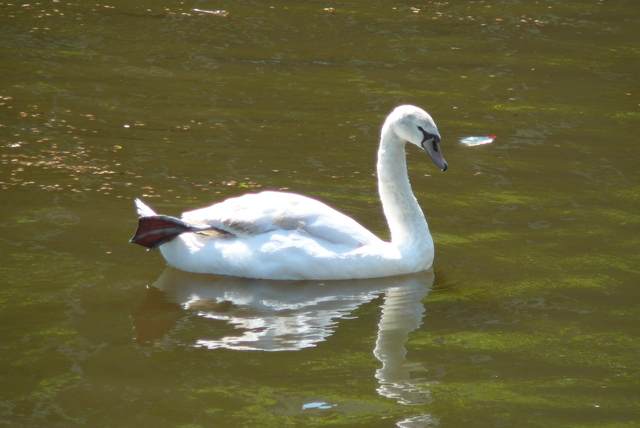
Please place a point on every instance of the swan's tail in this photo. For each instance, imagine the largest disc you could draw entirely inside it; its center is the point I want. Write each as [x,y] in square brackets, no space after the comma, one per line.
[143,209]
[155,230]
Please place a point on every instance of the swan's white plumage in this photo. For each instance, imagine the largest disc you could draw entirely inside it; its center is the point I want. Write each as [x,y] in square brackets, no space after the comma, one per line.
[254,214]
[143,209]
[279,235]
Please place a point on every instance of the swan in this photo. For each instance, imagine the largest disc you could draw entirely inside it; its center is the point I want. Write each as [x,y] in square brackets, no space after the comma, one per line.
[286,236]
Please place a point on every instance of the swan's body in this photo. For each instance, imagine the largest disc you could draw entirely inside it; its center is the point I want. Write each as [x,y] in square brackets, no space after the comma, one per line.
[278,235]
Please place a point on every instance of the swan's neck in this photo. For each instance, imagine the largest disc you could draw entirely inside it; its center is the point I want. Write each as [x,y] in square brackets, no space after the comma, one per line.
[406,221]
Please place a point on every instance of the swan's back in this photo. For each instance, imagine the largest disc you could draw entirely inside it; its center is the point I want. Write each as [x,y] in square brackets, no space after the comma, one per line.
[268,212]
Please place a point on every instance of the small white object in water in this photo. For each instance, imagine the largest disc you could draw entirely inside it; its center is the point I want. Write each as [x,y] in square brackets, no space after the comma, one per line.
[478,140]
[318,405]
[221,13]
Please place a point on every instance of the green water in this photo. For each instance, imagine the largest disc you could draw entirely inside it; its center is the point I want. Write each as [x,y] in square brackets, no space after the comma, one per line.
[529,318]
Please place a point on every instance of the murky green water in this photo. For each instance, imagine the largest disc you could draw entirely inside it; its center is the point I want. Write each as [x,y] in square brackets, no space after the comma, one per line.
[530,317]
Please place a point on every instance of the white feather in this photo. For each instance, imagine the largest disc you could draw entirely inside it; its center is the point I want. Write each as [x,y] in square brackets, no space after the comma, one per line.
[143,209]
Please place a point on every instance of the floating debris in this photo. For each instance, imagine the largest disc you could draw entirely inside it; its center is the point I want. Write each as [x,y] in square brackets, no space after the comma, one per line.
[220,13]
[478,140]
[318,405]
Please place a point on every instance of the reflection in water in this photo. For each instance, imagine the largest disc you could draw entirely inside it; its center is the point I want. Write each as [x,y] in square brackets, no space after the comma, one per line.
[287,315]
[402,313]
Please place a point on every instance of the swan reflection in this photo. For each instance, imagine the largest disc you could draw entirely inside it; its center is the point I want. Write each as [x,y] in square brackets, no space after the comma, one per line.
[291,315]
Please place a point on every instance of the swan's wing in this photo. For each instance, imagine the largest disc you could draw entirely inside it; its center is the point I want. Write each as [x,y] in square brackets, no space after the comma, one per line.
[265,212]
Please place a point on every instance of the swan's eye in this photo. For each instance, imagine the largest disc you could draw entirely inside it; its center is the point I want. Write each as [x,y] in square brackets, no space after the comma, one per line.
[426,137]
[425,134]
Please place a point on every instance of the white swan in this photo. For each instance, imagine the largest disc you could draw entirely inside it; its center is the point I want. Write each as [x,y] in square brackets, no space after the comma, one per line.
[279,235]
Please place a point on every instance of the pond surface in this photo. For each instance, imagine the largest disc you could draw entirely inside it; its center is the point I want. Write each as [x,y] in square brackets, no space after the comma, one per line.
[529,318]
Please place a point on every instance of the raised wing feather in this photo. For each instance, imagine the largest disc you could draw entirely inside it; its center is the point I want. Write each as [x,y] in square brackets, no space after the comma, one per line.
[265,212]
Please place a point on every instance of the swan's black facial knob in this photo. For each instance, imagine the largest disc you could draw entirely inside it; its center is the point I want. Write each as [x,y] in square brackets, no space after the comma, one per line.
[427,136]
[430,145]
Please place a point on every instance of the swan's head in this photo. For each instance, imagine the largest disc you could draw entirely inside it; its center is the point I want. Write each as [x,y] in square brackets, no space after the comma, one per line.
[415,126]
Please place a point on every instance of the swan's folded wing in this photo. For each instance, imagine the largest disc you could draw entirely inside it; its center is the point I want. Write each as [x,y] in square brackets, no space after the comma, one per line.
[266,212]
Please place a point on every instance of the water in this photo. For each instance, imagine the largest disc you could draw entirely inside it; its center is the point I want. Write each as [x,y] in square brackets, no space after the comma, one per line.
[529,317]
